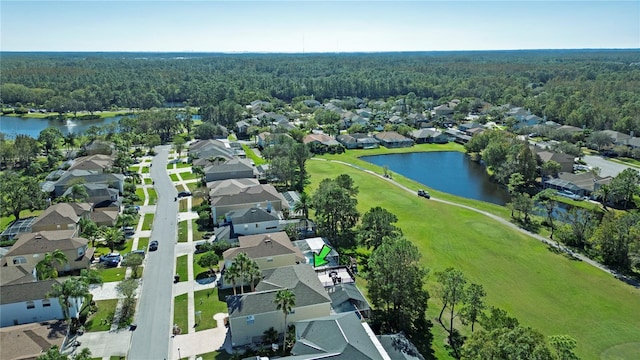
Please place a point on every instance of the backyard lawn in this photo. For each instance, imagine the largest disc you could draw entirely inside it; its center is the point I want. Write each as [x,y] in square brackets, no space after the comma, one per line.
[113,274]
[542,289]
[206,301]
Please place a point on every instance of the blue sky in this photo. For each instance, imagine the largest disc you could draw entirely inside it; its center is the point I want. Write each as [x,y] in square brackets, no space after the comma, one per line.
[316,26]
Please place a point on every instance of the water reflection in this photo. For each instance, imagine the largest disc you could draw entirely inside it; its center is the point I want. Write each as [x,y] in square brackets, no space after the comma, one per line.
[450,172]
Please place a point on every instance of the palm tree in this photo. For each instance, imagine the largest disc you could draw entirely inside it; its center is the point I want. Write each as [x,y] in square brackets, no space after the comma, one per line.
[125,220]
[253,274]
[70,294]
[285,300]
[111,236]
[604,194]
[46,268]
[78,191]
[244,263]
[232,274]
[303,205]
[70,140]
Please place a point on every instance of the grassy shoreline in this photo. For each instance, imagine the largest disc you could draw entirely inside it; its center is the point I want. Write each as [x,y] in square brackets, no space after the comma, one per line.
[542,289]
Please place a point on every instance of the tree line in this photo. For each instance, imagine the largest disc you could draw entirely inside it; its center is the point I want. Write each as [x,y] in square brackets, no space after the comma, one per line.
[595,89]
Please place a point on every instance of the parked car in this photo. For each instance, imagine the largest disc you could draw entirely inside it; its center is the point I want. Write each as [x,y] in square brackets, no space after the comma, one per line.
[424,194]
[153,246]
[110,260]
[203,246]
[129,230]
[184,194]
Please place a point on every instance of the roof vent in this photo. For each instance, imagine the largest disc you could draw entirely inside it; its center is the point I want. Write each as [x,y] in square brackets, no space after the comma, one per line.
[38,236]
[267,239]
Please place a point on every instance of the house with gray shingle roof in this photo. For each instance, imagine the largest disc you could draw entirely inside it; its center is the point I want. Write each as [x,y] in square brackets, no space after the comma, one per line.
[583,184]
[252,313]
[429,136]
[391,139]
[232,169]
[97,162]
[232,198]
[337,337]
[617,137]
[72,177]
[27,302]
[253,220]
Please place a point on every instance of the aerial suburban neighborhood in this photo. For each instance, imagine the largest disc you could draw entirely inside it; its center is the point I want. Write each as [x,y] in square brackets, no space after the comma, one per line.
[298,226]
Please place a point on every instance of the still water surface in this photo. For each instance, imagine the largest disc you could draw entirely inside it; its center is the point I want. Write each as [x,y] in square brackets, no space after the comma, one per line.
[449,171]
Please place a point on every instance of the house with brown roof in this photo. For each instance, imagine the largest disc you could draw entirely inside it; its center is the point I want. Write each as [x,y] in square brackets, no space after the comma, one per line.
[270,250]
[321,139]
[391,139]
[61,216]
[566,161]
[30,248]
[97,162]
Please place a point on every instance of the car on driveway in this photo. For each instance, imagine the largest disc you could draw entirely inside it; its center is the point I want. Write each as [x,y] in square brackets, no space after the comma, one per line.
[184,194]
[110,260]
[153,246]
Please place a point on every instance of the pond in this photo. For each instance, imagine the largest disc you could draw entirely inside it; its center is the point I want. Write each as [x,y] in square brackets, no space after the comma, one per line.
[13,125]
[447,171]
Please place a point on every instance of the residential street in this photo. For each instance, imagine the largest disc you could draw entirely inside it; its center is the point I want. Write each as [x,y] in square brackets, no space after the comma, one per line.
[607,167]
[152,338]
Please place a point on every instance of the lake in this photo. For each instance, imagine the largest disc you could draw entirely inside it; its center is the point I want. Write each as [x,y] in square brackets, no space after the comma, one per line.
[447,171]
[12,125]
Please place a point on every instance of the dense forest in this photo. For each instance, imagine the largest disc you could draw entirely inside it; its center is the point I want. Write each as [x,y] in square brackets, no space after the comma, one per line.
[597,89]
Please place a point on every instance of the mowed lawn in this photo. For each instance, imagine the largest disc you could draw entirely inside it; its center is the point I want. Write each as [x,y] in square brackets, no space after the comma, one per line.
[542,289]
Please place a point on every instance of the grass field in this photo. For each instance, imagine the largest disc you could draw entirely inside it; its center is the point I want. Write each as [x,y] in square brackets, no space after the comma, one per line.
[145,170]
[181,312]
[187,175]
[174,177]
[197,234]
[252,155]
[113,274]
[215,355]
[199,271]
[143,243]
[106,310]
[153,196]
[181,267]
[182,231]
[140,193]
[207,302]
[183,205]
[148,181]
[148,221]
[6,220]
[182,165]
[542,289]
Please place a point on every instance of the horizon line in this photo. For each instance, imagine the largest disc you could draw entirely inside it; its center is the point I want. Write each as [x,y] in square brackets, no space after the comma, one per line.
[308,52]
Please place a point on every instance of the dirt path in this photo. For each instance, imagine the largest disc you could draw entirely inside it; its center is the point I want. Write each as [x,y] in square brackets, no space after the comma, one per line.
[548,242]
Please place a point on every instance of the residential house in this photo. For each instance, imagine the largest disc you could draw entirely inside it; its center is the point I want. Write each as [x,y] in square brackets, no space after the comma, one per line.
[618,138]
[358,141]
[468,126]
[391,139]
[398,347]
[97,162]
[337,337]
[30,248]
[443,110]
[99,147]
[570,129]
[264,196]
[457,136]
[232,169]
[429,136]
[346,297]
[27,302]
[269,251]
[209,150]
[566,161]
[634,143]
[252,221]
[265,139]
[72,177]
[311,246]
[583,184]
[320,139]
[105,217]
[312,103]
[95,193]
[251,314]
[60,216]
[475,131]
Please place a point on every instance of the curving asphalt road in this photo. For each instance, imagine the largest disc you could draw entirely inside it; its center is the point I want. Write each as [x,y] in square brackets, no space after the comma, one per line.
[591,262]
[151,339]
